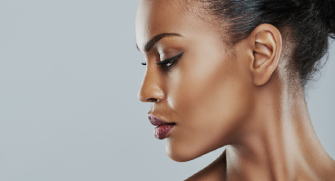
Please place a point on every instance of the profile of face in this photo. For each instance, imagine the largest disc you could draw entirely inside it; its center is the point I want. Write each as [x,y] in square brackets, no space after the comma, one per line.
[201,84]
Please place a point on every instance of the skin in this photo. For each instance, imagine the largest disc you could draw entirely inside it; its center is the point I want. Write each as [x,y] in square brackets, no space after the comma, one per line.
[219,95]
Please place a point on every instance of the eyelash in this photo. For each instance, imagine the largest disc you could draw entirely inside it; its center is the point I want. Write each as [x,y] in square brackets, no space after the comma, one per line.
[168,62]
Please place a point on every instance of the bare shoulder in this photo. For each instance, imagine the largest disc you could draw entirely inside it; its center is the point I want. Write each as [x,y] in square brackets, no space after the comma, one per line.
[333,171]
[216,171]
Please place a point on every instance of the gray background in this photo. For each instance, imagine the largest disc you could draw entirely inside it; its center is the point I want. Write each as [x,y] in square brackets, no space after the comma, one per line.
[69,76]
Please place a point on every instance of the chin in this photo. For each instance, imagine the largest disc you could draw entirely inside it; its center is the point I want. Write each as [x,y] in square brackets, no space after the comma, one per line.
[179,156]
[183,152]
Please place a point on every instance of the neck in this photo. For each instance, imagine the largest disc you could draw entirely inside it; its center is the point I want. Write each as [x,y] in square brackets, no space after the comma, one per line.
[278,142]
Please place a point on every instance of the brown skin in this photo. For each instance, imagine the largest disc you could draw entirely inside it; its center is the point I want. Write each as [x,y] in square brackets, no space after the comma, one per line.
[221,95]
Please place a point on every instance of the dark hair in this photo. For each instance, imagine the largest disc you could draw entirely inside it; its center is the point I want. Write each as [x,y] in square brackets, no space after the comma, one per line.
[309,23]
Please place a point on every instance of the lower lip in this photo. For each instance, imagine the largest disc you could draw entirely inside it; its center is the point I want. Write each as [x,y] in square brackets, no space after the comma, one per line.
[160,132]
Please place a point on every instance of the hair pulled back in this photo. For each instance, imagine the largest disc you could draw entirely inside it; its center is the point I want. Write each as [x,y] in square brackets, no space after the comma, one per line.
[310,24]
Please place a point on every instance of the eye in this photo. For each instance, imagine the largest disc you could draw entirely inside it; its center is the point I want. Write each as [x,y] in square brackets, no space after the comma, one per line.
[170,61]
[143,63]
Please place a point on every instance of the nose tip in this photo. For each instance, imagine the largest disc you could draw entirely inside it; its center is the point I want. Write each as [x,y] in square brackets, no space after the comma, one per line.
[141,97]
[149,95]
[151,89]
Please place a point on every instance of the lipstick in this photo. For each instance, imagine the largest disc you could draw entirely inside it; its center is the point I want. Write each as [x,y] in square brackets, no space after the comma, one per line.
[162,129]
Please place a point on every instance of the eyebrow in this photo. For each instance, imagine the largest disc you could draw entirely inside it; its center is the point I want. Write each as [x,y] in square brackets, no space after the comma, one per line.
[151,43]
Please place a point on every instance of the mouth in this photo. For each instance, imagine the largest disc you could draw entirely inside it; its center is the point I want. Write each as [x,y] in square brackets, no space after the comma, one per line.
[162,129]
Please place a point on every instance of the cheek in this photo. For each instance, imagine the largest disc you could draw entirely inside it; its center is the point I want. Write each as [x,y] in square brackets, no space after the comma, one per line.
[207,86]
[210,100]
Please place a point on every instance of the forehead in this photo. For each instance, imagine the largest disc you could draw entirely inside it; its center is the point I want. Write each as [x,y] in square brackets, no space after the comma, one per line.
[166,16]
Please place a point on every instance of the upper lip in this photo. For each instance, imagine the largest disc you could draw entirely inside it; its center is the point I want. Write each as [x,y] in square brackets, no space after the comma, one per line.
[156,121]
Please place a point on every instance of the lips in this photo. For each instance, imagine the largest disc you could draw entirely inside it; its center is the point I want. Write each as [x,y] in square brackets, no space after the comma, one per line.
[162,129]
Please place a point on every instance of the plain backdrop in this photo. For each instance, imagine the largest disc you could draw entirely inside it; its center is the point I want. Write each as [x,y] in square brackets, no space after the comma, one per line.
[69,76]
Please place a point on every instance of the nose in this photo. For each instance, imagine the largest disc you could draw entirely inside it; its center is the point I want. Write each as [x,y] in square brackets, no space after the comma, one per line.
[151,89]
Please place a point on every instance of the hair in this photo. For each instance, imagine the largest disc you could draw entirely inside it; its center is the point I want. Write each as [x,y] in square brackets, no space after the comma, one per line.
[310,23]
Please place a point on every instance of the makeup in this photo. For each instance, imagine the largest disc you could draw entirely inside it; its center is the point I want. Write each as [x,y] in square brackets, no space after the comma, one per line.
[162,129]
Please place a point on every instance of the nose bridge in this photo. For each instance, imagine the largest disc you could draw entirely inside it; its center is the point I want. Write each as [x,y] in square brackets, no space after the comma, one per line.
[151,89]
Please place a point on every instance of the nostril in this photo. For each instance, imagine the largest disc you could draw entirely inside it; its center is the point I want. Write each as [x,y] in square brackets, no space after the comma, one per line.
[152,100]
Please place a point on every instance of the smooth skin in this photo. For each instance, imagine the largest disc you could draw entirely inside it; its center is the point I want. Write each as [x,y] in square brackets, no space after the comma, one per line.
[219,95]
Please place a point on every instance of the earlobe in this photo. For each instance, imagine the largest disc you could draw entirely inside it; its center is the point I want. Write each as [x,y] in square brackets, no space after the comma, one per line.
[266,44]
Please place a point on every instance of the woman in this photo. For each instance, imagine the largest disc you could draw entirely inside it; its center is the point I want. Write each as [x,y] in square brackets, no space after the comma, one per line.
[232,73]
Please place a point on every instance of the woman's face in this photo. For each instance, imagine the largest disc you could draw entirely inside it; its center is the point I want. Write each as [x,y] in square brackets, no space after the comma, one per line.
[205,91]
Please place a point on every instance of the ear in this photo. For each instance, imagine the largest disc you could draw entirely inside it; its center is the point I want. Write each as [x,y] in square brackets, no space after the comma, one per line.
[266,44]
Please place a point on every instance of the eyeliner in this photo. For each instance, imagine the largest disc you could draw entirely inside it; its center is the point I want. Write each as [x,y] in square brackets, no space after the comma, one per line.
[169,59]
